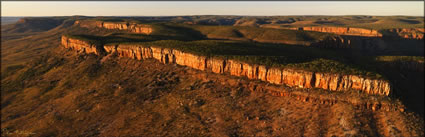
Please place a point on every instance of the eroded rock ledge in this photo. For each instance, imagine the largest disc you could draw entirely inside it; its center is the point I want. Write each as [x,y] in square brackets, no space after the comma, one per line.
[411,33]
[79,45]
[131,27]
[289,77]
[340,30]
[407,33]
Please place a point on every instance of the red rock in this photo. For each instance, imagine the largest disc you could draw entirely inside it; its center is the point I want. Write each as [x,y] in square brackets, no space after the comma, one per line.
[262,73]
[216,65]
[289,77]
[344,31]
[79,45]
[296,78]
[131,27]
[274,75]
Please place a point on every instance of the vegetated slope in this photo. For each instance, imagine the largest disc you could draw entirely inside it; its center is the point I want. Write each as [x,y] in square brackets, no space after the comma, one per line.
[61,93]
[261,34]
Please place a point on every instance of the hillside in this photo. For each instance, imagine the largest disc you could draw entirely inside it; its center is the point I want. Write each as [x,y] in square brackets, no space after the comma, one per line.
[63,79]
[9,20]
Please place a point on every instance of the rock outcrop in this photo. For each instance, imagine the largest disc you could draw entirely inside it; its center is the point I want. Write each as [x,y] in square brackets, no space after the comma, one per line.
[289,77]
[412,33]
[407,33]
[340,31]
[333,42]
[80,45]
[353,42]
[131,27]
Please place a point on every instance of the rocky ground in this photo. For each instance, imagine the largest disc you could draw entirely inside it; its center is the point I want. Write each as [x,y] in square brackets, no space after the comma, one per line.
[113,96]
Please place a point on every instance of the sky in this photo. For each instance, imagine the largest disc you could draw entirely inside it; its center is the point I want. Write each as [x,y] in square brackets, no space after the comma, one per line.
[172,8]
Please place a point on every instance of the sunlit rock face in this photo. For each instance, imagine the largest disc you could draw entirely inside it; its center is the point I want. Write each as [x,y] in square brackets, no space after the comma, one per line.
[411,33]
[131,27]
[341,31]
[274,75]
[79,45]
[297,78]
[407,33]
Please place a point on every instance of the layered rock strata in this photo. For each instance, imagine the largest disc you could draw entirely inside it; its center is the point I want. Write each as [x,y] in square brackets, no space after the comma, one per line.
[80,45]
[289,77]
[333,42]
[340,31]
[131,27]
[407,33]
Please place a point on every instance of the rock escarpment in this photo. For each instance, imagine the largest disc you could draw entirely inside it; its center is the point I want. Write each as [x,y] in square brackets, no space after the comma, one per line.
[407,33]
[285,76]
[412,33]
[333,42]
[131,27]
[80,45]
[353,42]
[341,31]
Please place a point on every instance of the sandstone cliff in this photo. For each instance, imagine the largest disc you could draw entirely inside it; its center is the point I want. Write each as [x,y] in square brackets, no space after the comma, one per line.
[353,42]
[407,33]
[289,77]
[412,33]
[340,30]
[131,27]
[333,42]
[79,45]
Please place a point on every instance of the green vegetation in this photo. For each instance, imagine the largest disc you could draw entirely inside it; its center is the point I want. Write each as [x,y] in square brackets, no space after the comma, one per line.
[116,37]
[255,33]
[400,58]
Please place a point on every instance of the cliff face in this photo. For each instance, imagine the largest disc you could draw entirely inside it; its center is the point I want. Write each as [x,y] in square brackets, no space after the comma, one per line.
[346,82]
[412,33]
[407,33]
[341,31]
[353,42]
[79,45]
[333,42]
[289,77]
[131,27]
